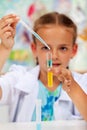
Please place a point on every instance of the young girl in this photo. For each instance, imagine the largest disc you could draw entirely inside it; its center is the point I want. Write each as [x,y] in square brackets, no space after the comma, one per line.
[20,87]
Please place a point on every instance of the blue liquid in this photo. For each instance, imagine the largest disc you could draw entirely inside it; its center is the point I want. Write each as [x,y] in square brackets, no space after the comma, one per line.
[49,63]
[38,126]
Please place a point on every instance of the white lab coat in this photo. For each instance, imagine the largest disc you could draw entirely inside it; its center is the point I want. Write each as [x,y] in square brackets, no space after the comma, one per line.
[21,80]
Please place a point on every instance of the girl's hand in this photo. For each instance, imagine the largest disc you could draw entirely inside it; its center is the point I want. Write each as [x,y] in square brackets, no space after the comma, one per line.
[65,76]
[8,29]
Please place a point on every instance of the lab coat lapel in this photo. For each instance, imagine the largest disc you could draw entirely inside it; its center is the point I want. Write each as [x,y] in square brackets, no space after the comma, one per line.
[28,85]
[28,105]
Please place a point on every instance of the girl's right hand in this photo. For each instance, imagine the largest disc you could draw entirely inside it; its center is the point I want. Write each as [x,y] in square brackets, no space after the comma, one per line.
[8,29]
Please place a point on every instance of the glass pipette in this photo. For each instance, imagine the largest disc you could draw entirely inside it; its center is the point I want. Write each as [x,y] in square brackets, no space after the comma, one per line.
[34,33]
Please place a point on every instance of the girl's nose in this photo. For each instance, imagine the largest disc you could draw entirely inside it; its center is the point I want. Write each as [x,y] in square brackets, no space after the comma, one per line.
[54,54]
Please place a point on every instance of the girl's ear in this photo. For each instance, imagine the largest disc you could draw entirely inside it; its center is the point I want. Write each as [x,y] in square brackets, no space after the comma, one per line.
[74,51]
[34,51]
[33,48]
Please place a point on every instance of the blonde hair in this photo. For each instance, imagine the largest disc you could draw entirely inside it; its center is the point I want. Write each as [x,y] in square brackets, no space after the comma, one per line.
[54,18]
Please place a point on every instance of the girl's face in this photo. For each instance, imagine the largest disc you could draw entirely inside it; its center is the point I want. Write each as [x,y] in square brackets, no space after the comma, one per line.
[60,41]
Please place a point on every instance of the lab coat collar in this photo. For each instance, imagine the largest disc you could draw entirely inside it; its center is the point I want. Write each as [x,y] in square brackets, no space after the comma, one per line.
[29,81]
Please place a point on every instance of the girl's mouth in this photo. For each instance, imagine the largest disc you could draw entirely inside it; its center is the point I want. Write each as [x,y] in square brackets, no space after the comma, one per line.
[56,64]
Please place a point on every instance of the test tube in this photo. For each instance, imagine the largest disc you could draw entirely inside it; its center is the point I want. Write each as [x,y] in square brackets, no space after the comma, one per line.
[49,73]
[38,114]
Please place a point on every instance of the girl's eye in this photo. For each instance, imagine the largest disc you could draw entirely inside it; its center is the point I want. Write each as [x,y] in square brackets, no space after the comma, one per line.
[44,48]
[63,48]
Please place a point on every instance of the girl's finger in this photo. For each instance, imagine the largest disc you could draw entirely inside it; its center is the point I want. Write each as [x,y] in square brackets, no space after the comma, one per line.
[10,21]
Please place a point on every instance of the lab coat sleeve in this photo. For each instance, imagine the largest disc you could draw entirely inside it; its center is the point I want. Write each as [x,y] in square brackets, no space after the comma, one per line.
[8,81]
[81,79]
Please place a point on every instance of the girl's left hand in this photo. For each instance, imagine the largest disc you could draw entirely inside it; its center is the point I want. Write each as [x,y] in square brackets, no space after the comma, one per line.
[65,76]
